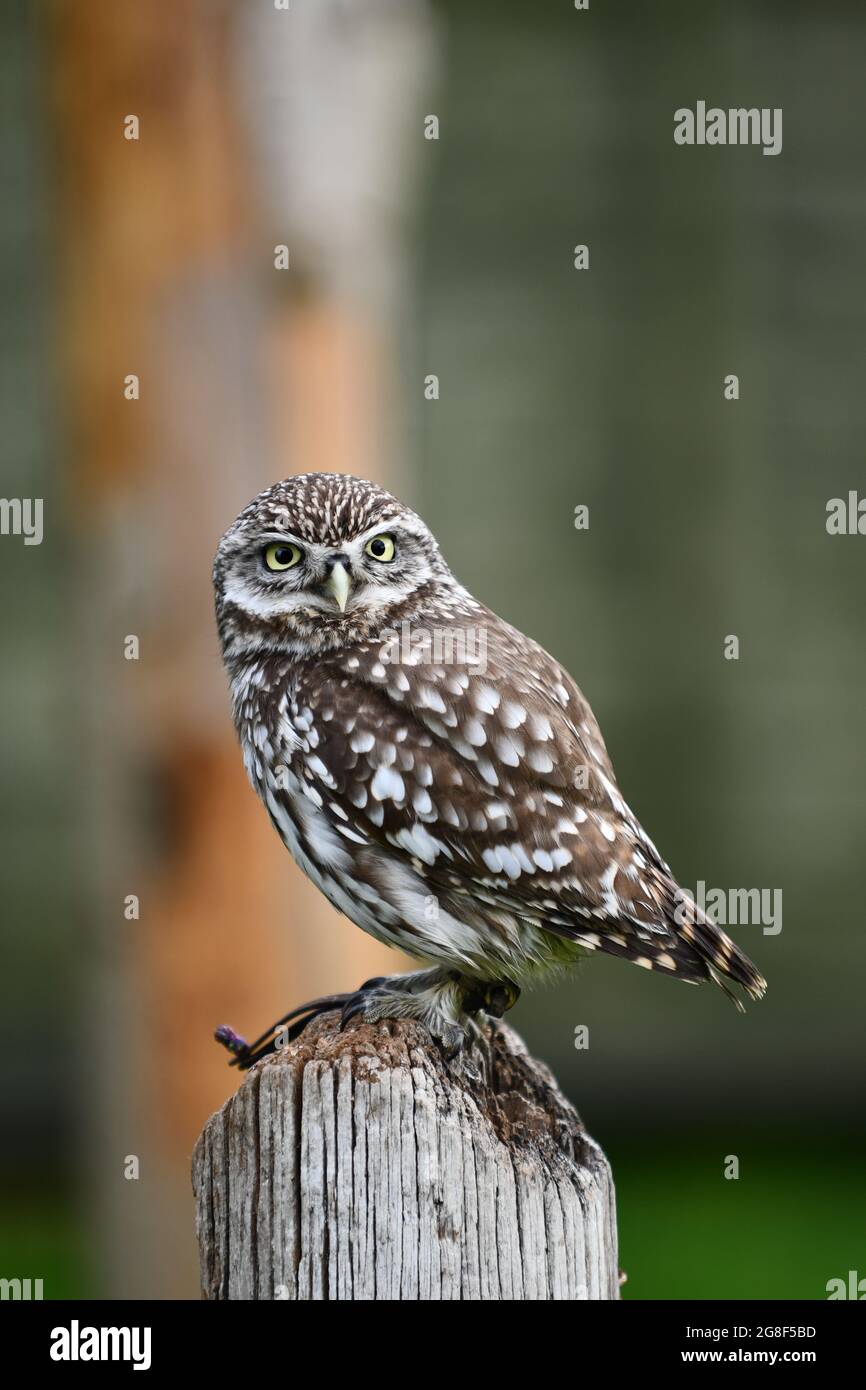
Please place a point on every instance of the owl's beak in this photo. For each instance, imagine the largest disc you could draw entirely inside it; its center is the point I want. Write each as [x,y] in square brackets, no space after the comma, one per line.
[338,585]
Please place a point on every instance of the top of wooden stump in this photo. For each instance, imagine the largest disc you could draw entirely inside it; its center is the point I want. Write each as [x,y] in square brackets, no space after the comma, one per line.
[513,1091]
[365,1165]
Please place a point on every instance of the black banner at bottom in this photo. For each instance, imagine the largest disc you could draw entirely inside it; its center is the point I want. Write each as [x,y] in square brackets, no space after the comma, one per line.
[247,1339]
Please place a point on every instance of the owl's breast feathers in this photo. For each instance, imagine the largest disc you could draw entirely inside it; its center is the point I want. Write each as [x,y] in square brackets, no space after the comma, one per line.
[466,808]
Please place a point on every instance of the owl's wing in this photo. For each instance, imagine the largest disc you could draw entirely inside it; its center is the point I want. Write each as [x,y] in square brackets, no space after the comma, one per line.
[486,773]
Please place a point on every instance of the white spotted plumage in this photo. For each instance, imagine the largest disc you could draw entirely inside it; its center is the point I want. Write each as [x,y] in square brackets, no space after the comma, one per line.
[483,788]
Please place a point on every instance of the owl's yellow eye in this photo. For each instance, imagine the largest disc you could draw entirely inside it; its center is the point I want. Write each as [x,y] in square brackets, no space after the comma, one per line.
[381,548]
[283,556]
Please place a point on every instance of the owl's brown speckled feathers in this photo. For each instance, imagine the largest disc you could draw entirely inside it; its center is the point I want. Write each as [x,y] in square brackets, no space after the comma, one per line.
[435,772]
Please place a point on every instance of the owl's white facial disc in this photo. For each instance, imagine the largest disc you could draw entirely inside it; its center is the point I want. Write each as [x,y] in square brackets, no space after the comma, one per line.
[319,556]
[326,580]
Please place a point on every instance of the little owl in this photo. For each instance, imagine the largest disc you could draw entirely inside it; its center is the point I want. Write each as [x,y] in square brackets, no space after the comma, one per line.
[436,773]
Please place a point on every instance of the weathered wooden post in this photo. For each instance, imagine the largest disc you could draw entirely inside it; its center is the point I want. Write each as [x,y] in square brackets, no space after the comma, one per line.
[362,1165]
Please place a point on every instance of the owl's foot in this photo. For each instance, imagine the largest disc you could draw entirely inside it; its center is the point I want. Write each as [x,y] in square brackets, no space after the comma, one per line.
[442,1000]
[433,997]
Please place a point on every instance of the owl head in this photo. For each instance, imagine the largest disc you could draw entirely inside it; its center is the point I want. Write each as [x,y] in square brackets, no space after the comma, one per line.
[318,561]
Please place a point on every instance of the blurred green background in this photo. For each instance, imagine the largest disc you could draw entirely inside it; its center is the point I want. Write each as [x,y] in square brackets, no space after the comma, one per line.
[707,518]
[604,387]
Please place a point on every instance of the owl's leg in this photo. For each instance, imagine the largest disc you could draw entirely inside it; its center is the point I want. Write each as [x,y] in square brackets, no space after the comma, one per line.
[433,997]
[444,1001]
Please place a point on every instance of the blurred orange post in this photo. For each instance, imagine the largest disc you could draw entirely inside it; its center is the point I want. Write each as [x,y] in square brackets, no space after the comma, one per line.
[239,377]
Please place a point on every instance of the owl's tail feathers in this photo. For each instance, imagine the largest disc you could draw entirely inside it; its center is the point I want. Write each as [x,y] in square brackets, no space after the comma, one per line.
[715,955]
[683,942]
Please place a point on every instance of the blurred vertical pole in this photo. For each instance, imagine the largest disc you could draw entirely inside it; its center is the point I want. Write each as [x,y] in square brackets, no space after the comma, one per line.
[258,126]
[331,94]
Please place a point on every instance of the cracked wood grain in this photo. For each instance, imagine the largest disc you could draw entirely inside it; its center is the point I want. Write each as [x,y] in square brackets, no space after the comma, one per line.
[362,1166]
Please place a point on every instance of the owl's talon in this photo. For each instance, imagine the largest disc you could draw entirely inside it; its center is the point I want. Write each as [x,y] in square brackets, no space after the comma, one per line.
[494,998]
[356,1004]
